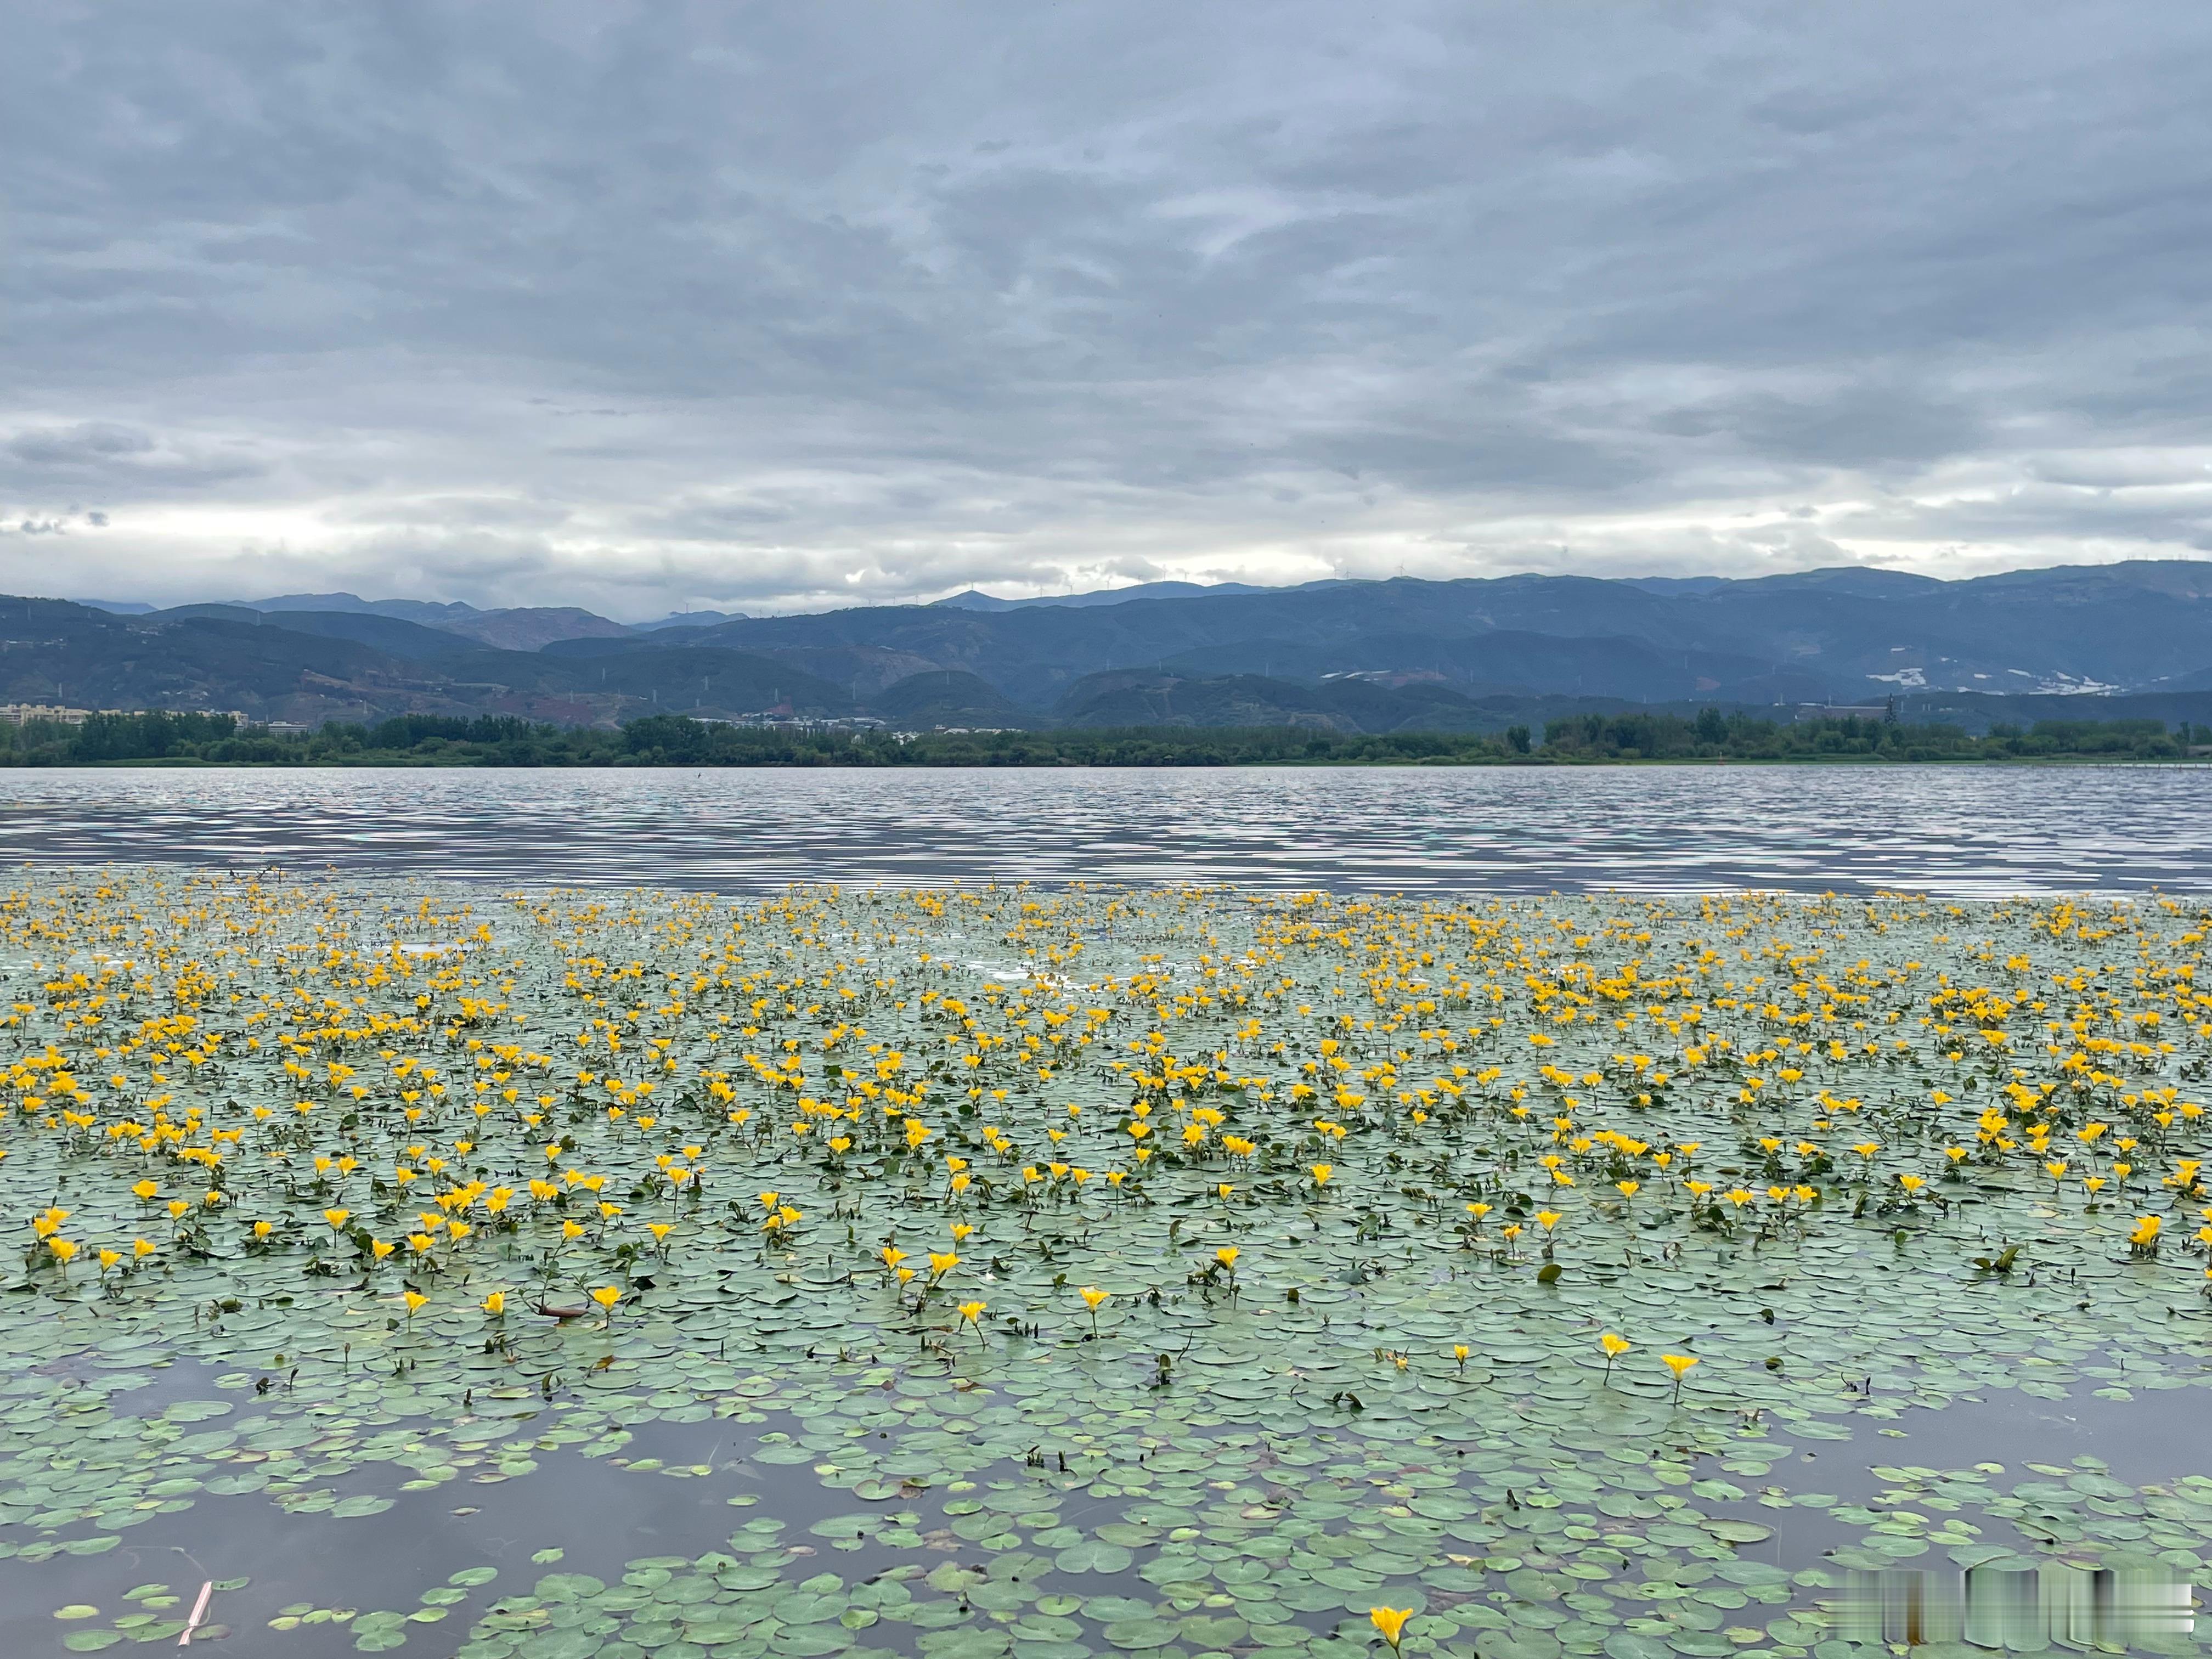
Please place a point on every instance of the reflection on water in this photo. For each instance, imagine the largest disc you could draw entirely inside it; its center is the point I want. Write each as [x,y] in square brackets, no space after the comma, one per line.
[1953,830]
[2007,1584]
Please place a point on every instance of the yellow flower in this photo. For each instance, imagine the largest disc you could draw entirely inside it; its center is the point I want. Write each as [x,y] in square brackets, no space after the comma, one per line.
[1549,1219]
[1614,1345]
[1679,1364]
[414,1299]
[606,1295]
[1093,1295]
[942,1262]
[140,1248]
[144,1191]
[1322,1172]
[2146,1232]
[495,1303]
[108,1259]
[1391,1621]
[63,1250]
[380,1247]
[1226,1255]
[972,1311]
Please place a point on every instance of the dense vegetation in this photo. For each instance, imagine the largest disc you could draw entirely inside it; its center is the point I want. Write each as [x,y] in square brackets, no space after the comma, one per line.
[1716,736]
[673,740]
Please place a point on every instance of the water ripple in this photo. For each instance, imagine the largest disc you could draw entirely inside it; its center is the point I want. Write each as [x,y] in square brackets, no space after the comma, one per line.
[1958,830]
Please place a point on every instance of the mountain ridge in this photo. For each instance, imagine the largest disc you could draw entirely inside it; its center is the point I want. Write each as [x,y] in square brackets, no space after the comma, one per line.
[1843,635]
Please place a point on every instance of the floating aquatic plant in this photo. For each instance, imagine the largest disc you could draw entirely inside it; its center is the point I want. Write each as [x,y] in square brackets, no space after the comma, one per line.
[1417,1215]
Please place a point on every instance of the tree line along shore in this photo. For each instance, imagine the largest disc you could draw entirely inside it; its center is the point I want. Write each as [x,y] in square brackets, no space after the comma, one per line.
[1713,735]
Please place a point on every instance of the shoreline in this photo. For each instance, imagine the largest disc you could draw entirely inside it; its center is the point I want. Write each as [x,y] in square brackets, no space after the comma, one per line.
[435,763]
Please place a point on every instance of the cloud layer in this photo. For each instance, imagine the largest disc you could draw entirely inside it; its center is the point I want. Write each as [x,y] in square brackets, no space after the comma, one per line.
[638,306]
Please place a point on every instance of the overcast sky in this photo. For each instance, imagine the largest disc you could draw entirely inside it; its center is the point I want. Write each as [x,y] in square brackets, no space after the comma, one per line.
[783,306]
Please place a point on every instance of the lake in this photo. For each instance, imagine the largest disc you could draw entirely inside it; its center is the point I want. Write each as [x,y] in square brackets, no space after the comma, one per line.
[1959,831]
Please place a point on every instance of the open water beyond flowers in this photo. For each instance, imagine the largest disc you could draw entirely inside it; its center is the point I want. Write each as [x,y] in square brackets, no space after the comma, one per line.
[1181,1272]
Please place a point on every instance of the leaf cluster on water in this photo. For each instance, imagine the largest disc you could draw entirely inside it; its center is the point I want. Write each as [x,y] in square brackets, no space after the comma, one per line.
[328,1194]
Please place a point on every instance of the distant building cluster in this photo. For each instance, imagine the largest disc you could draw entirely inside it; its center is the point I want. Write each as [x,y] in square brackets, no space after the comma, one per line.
[855,724]
[1838,711]
[796,723]
[22,713]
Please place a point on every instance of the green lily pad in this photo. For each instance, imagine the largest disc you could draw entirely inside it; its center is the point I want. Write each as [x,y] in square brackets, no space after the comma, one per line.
[1739,1531]
[1093,1556]
[1139,1634]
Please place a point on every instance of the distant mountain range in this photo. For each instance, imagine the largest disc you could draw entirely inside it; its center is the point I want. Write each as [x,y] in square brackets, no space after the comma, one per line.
[1352,655]
[523,629]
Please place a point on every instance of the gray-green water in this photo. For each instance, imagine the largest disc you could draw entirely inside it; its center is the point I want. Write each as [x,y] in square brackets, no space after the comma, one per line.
[1979,831]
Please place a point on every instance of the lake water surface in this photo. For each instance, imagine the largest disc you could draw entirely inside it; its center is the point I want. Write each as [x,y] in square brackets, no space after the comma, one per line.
[1953,830]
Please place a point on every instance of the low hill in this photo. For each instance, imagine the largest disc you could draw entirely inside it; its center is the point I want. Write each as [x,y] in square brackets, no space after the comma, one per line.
[524,628]
[411,641]
[943,697]
[304,667]
[1139,697]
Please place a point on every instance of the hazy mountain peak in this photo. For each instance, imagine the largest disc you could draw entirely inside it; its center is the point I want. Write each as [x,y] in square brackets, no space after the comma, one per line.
[421,610]
[693,619]
[971,599]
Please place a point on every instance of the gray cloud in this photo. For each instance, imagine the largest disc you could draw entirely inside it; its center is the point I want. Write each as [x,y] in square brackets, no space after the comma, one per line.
[629,305]
[92,443]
